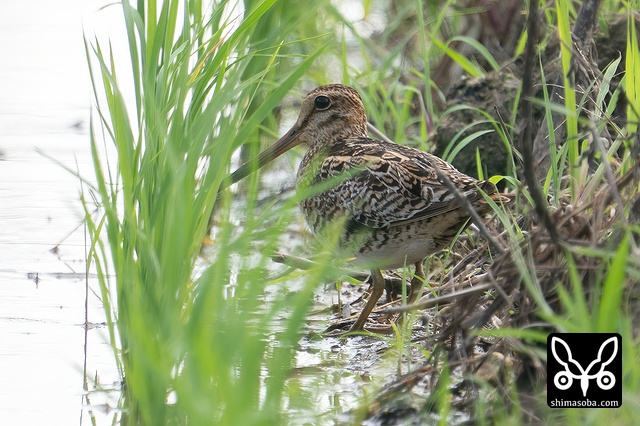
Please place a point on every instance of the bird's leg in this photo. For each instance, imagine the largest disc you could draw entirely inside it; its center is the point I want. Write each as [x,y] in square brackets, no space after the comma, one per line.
[389,289]
[417,282]
[416,286]
[376,292]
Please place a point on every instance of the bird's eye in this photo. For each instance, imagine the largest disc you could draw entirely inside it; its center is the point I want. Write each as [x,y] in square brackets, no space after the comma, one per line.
[322,102]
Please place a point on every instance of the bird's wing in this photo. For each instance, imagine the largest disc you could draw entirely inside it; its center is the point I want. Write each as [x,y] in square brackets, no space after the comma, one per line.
[388,184]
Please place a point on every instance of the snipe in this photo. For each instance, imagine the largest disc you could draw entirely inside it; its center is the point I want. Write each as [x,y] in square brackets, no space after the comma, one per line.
[392,203]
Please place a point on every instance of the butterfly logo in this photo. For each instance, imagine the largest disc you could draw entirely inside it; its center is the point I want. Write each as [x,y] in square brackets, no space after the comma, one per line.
[564,379]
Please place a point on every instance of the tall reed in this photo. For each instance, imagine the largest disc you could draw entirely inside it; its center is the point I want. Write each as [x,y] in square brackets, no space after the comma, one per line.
[193,340]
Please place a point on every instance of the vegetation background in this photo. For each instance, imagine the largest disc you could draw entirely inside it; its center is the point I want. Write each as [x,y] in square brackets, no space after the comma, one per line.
[211,335]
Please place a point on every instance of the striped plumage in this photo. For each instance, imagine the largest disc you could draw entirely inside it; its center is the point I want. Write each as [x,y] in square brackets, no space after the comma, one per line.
[395,196]
[394,207]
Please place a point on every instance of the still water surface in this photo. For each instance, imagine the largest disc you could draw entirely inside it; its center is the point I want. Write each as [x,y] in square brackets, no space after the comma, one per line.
[44,109]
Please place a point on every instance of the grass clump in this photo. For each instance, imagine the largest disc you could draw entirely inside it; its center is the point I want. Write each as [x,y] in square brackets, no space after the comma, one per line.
[191,339]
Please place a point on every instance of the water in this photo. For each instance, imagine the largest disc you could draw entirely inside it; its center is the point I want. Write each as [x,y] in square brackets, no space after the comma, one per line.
[44,109]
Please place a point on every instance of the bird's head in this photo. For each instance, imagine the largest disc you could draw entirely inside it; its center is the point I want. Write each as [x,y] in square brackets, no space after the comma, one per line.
[328,114]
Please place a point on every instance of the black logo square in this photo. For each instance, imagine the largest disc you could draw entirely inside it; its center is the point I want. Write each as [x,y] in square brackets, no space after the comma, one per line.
[584,370]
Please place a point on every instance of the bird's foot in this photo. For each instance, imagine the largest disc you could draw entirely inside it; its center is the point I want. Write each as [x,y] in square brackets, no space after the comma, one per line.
[346,327]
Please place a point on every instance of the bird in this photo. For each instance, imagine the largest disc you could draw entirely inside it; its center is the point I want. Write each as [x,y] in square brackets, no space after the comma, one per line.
[387,205]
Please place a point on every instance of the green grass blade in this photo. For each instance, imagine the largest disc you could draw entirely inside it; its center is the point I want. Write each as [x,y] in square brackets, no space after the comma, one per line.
[612,290]
[632,75]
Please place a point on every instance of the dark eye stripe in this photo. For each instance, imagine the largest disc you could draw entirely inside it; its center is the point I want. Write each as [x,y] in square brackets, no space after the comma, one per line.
[322,102]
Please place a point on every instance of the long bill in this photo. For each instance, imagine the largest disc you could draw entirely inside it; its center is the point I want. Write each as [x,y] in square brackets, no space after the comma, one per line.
[282,145]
